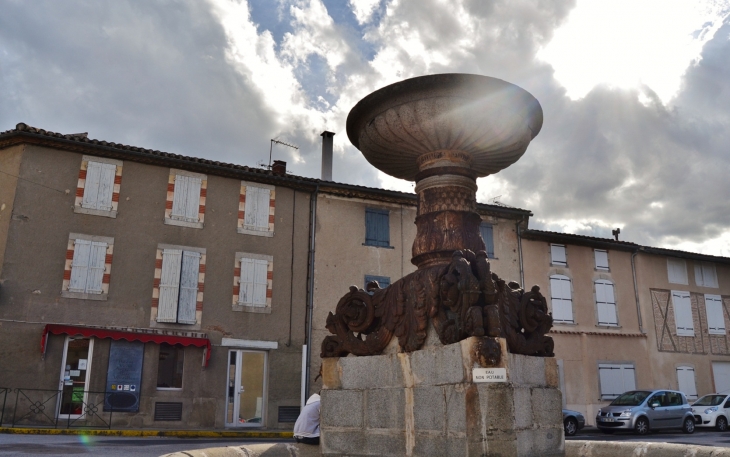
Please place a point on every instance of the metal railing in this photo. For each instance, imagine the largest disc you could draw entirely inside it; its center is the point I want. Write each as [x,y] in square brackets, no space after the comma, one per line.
[40,408]
[4,396]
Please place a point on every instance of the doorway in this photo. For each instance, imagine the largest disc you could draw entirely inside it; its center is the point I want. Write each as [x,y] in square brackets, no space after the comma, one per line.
[246,390]
[74,382]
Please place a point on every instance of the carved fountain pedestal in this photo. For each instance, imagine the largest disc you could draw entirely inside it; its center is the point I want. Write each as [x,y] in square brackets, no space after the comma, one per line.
[488,386]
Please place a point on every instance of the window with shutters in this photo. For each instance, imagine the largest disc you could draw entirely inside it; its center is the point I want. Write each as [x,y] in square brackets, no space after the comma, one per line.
[186,195]
[601,258]
[97,192]
[683,313]
[677,271]
[606,303]
[170,366]
[715,315]
[561,298]
[557,255]
[615,379]
[88,267]
[487,231]
[686,382]
[377,228]
[253,282]
[383,281]
[256,207]
[705,274]
[178,293]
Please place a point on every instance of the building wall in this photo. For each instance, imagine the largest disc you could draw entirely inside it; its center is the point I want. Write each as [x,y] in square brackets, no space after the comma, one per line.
[33,271]
[9,166]
[668,350]
[582,345]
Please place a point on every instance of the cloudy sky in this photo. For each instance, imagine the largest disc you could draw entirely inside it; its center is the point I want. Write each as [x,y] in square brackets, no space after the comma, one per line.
[635,93]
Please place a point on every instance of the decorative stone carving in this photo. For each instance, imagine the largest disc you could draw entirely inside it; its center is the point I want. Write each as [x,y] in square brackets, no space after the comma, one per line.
[443,131]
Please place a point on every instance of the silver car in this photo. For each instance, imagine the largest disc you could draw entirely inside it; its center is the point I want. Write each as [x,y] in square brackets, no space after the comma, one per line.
[645,410]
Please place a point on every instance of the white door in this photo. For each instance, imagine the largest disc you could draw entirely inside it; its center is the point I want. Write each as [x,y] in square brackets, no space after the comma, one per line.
[74,382]
[246,393]
[721,374]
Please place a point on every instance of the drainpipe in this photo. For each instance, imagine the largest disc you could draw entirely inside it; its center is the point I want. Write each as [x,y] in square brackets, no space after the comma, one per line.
[636,291]
[310,285]
[519,252]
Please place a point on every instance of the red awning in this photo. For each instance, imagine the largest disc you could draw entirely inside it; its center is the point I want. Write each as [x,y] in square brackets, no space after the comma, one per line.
[143,335]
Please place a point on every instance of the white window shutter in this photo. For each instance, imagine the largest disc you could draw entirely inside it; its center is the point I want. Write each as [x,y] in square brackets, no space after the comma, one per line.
[686,381]
[91,187]
[97,259]
[705,274]
[561,299]
[715,315]
[606,303]
[80,266]
[252,203]
[259,282]
[169,285]
[611,380]
[246,284]
[677,271]
[192,203]
[628,378]
[188,287]
[179,198]
[601,258]
[557,253]
[683,313]
[106,186]
[262,209]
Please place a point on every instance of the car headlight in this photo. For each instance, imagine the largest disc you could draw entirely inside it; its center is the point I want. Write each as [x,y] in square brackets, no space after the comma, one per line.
[711,410]
[626,413]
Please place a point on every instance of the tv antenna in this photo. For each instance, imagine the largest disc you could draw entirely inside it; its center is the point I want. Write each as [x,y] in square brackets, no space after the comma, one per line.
[283,143]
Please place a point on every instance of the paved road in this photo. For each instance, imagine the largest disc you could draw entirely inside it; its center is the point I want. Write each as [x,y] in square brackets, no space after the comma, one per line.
[62,446]
[699,437]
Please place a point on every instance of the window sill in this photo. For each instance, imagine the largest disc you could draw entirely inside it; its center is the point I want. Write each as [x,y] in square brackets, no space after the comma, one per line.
[563,265]
[84,296]
[246,231]
[378,246]
[95,212]
[174,325]
[198,225]
[174,389]
[564,323]
[608,326]
[252,309]
[602,269]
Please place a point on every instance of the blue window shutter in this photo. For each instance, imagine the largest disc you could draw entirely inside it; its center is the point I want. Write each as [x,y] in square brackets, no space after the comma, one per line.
[487,236]
[377,227]
[383,281]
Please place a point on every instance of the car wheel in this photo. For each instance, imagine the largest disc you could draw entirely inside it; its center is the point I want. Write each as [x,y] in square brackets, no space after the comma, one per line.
[721,424]
[571,426]
[642,426]
[688,426]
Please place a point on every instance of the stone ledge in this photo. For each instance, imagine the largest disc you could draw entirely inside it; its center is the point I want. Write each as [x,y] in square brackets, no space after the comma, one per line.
[254,450]
[644,449]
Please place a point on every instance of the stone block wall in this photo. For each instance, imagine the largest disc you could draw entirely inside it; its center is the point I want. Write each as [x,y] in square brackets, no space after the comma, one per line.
[425,404]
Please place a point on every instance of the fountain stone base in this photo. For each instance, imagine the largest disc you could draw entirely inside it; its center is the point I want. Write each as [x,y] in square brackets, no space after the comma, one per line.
[426,403]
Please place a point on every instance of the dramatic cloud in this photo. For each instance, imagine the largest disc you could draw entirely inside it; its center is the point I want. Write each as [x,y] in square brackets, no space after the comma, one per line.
[635,95]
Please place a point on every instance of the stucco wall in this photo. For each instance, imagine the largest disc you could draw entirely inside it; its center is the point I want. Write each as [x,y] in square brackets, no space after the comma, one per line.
[34,266]
[10,166]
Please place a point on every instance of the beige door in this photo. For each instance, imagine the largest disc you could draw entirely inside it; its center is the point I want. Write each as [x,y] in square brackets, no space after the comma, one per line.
[74,382]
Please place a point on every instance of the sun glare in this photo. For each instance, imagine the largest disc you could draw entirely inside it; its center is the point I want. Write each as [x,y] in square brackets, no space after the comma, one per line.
[627,43]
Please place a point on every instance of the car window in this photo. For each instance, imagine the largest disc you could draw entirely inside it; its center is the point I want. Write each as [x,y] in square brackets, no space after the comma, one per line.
[727,404]
[631,398]
[658,399]
[712,400]
[674,399]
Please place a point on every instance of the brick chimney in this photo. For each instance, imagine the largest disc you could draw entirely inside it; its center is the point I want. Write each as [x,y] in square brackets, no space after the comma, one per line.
[279,167]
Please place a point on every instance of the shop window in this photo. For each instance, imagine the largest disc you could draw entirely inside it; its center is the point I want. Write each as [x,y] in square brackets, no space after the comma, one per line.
[170,366]
[377,227]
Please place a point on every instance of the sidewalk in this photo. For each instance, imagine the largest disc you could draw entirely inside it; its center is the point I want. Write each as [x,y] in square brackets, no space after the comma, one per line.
[139,433]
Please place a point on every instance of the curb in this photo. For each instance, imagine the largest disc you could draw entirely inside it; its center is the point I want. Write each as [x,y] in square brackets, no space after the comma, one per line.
[145,433]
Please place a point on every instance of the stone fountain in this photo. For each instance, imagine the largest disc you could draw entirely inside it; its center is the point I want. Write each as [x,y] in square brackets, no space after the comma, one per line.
[488,386]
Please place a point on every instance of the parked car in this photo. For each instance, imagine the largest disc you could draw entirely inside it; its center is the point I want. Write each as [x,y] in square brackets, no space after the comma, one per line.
[572,422]
[712,411]
[646,410]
